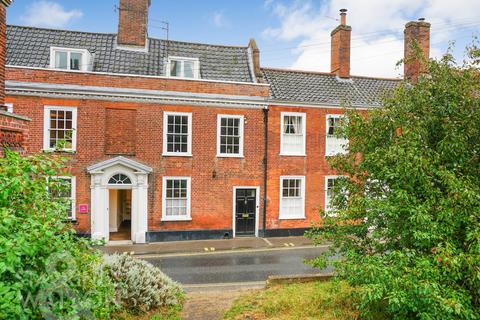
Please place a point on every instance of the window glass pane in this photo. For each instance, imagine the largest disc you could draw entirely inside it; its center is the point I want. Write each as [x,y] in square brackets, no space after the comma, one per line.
[61,60]
[175,68]
[177,133]
[61,129]
[188,69]
[75,60]
[331,126]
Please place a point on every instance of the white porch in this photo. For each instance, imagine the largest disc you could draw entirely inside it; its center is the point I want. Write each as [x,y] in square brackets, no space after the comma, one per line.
[104,177]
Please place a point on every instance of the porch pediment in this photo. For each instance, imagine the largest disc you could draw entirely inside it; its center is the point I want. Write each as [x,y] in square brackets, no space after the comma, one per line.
[123,161]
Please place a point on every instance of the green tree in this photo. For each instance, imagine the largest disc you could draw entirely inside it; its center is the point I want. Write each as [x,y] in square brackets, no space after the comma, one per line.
[406,218]
[46,271]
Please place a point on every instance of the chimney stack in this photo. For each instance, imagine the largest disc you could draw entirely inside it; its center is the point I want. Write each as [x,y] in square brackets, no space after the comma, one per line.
[417,36]
[133,23]
[340,55]
[256,59]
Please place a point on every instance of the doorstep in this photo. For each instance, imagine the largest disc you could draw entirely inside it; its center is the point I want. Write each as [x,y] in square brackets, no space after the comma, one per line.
[206,246]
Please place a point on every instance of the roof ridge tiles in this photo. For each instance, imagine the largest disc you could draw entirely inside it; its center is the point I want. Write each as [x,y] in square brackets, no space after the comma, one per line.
[326,73]
[114,34]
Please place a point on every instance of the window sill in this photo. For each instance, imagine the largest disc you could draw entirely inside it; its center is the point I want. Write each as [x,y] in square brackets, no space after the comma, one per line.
[70,151]
[176,155]
[291,218]
[173,219]
[183,78]
[69,70]
[230,156]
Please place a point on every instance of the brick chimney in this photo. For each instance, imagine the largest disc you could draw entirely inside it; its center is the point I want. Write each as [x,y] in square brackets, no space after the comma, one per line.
[133,23]
[252,45]
[340,56]
[417,37]
[3,46]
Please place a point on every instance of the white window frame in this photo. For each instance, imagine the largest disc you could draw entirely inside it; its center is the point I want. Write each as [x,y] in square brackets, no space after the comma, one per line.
[9,106]
[329,152]
[165,131]
[73,194]
[85,62]
[188,216]
[304,130]
[46,127]
[326,206]
[196,67]
[241,119]
[301,215]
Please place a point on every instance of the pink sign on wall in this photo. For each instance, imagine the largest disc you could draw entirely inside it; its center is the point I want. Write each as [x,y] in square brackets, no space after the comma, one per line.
[83,208]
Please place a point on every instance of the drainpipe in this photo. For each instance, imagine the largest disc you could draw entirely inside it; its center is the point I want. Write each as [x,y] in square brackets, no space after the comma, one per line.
[265,157]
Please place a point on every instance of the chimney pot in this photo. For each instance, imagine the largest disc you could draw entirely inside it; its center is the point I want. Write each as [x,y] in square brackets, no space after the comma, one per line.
[343,17]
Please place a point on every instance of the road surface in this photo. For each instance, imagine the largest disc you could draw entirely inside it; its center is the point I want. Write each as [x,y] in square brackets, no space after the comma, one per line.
[236,267]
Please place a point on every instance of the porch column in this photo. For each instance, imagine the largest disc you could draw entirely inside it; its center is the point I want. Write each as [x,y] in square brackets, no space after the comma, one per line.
[140,208]
[99,215]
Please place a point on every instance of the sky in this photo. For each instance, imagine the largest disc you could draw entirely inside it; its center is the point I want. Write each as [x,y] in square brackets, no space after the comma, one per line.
[292,34]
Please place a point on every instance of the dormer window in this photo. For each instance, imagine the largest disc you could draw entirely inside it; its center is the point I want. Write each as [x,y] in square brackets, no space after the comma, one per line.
[70,59]
[183,68]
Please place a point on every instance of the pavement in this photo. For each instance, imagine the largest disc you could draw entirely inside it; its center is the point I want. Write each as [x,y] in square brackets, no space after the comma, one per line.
[206,246]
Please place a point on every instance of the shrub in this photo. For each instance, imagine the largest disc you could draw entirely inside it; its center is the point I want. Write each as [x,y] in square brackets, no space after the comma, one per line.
[140,286]
[407,216]
[46,271]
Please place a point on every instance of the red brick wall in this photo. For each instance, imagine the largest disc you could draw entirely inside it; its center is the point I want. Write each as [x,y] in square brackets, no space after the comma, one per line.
[14,133]
[211,202]
[118,81]
[121,131]
[314,166]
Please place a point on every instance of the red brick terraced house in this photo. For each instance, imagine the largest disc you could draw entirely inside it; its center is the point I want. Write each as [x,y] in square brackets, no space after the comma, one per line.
[170,140]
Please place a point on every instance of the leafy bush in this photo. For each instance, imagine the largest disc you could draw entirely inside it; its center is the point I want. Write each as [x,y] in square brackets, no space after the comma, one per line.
[46,271]
[407,215]
[140,286]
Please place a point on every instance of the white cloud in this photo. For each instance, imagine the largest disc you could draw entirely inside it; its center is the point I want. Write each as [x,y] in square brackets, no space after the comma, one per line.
[45,13]
[377,35]
[218,19]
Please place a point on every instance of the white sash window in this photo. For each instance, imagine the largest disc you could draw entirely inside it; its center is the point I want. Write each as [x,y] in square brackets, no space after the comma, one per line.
[292,197]
[293,134]
[334,144]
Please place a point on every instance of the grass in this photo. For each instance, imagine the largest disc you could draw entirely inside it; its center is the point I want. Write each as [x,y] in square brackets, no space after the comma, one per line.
[315,300]
[167,313]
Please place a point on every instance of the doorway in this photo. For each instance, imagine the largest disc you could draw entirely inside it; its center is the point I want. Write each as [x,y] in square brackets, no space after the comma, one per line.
[245,211]
[120,214]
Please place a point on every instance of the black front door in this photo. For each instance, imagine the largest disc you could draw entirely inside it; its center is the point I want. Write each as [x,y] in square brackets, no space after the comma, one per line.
[245,211]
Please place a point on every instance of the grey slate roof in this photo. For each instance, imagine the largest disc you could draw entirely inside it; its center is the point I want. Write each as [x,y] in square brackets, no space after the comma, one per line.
[30,47]
[326,88]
